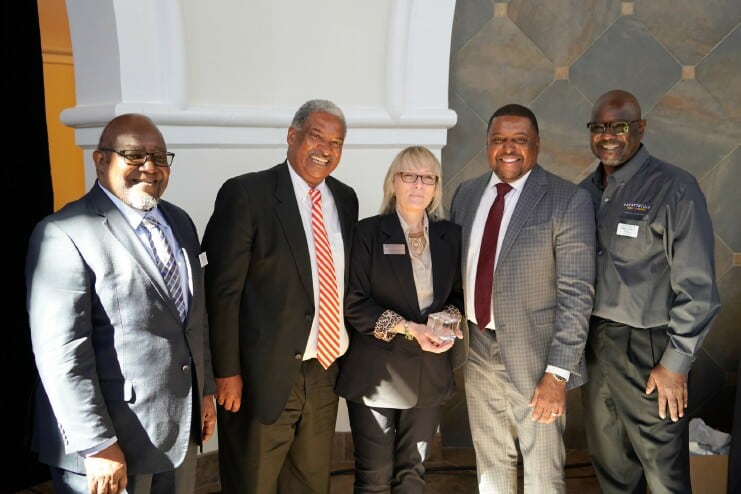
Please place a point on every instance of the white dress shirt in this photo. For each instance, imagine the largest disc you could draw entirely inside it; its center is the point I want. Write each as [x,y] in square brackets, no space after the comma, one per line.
[332,225]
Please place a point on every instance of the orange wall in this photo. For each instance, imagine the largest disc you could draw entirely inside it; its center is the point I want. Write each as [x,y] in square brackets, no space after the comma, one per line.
[67,166]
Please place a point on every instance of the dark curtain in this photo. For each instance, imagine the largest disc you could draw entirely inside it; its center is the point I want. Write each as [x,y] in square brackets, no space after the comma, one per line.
[31,179]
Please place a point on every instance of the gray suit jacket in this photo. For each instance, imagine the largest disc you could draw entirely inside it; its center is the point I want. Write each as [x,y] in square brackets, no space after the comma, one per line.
[113,357]
[544,278]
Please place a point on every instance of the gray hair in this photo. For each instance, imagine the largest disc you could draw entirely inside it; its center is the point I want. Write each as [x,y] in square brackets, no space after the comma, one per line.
[313,106]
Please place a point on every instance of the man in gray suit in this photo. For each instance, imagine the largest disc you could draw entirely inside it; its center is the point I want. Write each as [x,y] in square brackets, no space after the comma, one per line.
[528,325]
[122,350]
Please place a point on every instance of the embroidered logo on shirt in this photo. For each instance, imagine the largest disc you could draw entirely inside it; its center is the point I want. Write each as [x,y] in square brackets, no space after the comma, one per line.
[636,209]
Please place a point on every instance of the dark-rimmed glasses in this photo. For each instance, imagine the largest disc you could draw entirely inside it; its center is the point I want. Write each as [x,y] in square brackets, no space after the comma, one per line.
[615,128]
[135,157]
[411,178]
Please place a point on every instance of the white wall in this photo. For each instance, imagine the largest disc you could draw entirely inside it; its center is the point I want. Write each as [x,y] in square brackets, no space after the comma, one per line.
[223,79]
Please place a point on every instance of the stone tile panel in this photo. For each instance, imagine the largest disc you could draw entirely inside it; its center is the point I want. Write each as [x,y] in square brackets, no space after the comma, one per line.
[562,114]
[722,186]
[579,23]
[689,128]
[468,137]
[626,57]
[688,30]
[499,65]
[720,73]
[470,16]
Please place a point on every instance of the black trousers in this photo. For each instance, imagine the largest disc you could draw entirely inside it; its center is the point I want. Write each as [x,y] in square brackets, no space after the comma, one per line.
[291,455]
[629,444]
[391,446]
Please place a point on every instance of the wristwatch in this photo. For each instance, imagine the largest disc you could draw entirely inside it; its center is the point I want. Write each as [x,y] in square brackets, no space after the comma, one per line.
[558,378]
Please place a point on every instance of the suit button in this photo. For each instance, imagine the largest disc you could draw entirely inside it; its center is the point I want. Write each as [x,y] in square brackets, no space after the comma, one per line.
[309,317]
[298,356]
[185,368]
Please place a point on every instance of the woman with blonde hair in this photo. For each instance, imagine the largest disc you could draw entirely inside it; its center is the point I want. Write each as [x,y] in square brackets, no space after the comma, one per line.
[404,286]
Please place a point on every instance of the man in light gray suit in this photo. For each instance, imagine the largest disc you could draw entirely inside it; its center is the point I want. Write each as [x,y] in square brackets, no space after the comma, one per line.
[122,349]
[528,308]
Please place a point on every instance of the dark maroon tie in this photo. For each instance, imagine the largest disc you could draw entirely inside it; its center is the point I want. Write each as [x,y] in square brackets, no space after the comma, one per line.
[487,254]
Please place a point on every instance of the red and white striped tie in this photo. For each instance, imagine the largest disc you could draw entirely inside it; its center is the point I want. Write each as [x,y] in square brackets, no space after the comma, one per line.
[328,344]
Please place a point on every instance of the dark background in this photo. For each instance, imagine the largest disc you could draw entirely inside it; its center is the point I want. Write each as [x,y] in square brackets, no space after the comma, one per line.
[28,161]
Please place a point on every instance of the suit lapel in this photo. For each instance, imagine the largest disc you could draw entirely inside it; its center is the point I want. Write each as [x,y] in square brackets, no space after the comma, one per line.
[439,251]
[115,223]
[471,206]
[400,265]
[532,193]
[289,216]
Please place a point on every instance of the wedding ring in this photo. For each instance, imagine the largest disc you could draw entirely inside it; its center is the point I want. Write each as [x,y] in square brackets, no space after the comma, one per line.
[554,414]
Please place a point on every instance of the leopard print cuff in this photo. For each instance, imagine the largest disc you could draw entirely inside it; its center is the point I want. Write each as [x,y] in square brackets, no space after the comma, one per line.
[388,320]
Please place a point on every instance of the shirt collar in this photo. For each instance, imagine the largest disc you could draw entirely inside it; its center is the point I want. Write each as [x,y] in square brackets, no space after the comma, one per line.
[517,184]
[626,171]
[301,188]
[405,227]
[133,216]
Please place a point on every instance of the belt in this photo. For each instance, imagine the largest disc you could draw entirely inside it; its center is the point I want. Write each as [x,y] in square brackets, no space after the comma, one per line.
[471,323]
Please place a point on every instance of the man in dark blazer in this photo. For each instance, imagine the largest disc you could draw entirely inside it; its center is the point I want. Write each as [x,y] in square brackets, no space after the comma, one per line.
[277,406]
[522,361]
[127,388]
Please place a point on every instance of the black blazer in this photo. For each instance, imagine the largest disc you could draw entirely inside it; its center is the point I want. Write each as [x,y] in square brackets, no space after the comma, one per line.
[258,283]
[398,373]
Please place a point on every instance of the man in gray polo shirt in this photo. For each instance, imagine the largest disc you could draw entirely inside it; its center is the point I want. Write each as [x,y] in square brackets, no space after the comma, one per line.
[655,301]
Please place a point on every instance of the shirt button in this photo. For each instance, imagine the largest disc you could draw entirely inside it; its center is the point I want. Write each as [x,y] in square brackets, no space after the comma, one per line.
[607,199]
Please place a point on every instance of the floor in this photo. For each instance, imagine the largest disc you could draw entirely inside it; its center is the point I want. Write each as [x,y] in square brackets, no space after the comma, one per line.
[453,472]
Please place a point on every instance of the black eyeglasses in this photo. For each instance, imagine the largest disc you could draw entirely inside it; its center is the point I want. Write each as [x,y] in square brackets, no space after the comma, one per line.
[411,178]
[135,157]
[615,128]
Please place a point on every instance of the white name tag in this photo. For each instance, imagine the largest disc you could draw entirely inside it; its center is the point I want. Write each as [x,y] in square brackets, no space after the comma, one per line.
[204,260]
[394,249]
[626,230]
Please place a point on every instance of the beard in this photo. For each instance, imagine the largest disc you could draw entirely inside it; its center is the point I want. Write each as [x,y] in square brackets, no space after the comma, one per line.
[140,200]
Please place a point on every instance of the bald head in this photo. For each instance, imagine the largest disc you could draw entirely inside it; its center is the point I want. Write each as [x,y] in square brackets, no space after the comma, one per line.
[619,101]
[128,123]
[139,185]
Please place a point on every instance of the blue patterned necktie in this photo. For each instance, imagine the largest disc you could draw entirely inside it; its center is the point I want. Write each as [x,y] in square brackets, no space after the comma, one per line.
[165,261]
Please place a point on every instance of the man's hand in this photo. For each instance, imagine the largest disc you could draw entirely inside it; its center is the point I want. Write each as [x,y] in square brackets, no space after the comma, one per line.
[208,418]
[549,400]
[229,392]
[106,471]
[672,387]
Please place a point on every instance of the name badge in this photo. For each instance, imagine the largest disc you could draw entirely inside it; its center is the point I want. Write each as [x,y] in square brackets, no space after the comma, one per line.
[394,249]
[203,259]
[627,230]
